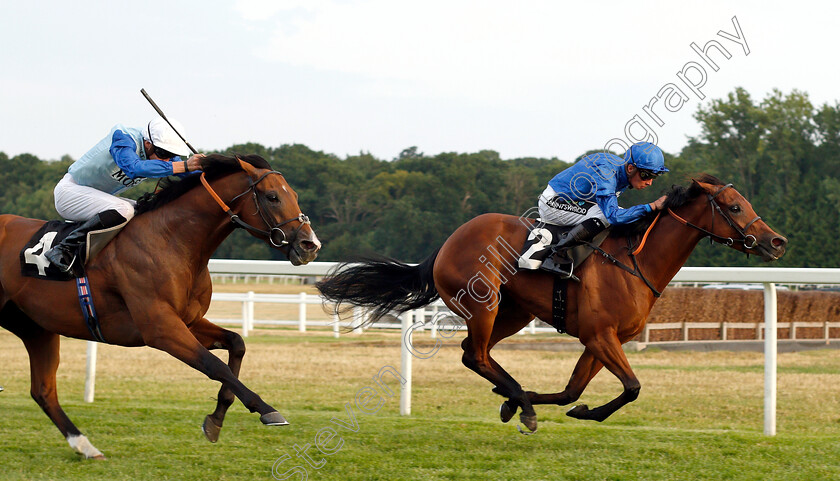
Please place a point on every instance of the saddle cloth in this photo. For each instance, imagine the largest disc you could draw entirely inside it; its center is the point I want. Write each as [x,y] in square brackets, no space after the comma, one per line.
[543,236]
[33,262]
[537,248]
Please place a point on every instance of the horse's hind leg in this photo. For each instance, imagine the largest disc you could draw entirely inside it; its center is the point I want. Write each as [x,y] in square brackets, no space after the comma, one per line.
[212,336]
[477,357]
[510,320]
[43,348]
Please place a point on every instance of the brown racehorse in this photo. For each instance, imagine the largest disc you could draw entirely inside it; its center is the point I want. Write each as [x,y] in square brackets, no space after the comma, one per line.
[150,284]
[474,275]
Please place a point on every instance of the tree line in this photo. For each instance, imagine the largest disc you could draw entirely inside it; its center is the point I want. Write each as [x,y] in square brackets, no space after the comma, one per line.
[782,153]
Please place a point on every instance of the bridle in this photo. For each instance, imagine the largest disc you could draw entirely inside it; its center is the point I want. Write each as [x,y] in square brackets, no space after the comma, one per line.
[748,240]
[280,240]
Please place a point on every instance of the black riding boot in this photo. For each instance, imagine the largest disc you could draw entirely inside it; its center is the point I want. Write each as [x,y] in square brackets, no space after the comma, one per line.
[560,260]
[64,253]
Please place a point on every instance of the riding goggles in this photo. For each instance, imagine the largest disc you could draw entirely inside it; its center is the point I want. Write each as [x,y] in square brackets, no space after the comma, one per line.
[646,174]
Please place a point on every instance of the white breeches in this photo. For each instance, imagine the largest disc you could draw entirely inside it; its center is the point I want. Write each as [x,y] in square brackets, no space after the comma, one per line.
[554,210]
[79,203]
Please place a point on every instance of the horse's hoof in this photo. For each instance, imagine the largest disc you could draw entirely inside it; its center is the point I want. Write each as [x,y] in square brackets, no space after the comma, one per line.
[210,429]
[530,422]
[273,419]
[578,412]
[99,457]
[506,411]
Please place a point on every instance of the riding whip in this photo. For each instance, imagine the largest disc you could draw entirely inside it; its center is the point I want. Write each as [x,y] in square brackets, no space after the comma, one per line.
[163,116]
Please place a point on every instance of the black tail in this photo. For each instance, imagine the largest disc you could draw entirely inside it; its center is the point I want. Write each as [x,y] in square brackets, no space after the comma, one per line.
[381,284]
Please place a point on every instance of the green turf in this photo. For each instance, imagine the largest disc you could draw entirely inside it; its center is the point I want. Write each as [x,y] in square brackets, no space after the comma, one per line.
[699,417]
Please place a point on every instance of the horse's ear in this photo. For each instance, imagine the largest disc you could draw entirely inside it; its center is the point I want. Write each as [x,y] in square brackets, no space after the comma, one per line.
[248,168]
[703,185]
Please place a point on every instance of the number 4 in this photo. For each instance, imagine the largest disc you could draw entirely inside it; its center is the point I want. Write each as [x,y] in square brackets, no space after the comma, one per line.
[40,259]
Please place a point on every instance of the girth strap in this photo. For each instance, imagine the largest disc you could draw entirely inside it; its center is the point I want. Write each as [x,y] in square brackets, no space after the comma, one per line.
[88,311]
[558,304]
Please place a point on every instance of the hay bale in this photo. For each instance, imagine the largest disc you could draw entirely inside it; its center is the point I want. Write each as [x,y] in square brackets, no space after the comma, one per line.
[746,308]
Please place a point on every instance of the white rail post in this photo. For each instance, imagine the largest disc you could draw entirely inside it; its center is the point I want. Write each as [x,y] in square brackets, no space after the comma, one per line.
[433,329]
[248,313]
[358,319]
[302,313]
[90,377]
[770,351]
[336,320]
[405,363]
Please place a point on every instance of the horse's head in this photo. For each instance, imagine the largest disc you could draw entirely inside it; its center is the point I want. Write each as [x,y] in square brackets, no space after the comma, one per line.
[273,215]
[729,218]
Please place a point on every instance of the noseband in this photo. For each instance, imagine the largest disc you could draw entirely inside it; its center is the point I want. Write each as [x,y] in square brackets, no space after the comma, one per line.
[272,231]
[748,240]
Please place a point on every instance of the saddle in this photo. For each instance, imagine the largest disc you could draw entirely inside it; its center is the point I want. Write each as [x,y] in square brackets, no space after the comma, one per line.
[541,238]
[33,262]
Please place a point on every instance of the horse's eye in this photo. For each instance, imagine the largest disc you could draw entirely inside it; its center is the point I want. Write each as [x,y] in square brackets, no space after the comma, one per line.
[735,209]
[272,197]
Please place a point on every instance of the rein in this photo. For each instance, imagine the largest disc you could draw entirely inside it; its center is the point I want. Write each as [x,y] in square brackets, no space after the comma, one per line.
[748,240]
[272,230]
[636,271]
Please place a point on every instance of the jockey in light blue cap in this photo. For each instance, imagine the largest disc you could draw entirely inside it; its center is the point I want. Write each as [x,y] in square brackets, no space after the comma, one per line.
[585,196]
[123,159]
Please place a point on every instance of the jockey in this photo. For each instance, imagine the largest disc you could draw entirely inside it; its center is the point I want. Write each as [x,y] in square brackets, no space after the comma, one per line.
[123,159]
[586,195]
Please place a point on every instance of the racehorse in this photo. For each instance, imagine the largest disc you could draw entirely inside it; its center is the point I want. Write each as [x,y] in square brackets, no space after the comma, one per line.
[151,285]
[474,273]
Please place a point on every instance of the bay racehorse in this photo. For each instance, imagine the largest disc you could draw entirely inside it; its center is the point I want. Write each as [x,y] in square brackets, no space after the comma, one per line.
[150,284]
[474,273]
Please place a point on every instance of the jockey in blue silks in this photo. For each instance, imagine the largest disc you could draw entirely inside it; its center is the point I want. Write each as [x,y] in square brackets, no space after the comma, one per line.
[586,195]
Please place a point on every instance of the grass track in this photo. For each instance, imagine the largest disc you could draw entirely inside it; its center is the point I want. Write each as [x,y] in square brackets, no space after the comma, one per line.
[699,416]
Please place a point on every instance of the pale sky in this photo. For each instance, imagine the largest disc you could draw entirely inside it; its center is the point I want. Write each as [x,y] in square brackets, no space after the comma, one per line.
[527,78]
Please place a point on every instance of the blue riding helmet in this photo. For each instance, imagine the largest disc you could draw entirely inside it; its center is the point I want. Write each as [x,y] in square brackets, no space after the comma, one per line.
[645,155]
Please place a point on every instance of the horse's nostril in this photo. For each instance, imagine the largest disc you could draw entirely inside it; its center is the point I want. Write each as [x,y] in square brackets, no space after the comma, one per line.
[778,242]
[308,246]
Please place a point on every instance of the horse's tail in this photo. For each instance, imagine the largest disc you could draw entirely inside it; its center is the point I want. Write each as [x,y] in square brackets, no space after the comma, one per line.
[381,284]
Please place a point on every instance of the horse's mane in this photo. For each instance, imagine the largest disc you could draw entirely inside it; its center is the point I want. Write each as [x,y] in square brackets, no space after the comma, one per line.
[678,196]
[213,166]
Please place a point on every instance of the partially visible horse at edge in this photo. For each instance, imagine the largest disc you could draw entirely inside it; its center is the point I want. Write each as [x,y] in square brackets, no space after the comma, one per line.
[151,285]
[606,309]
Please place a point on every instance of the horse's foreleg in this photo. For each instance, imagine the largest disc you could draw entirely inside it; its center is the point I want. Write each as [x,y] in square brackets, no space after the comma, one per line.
[212,336]
[606,348]
[43,348]
[585,369]
[174,338]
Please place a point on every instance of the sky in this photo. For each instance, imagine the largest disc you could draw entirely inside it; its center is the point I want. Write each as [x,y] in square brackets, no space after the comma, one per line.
[526,79]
